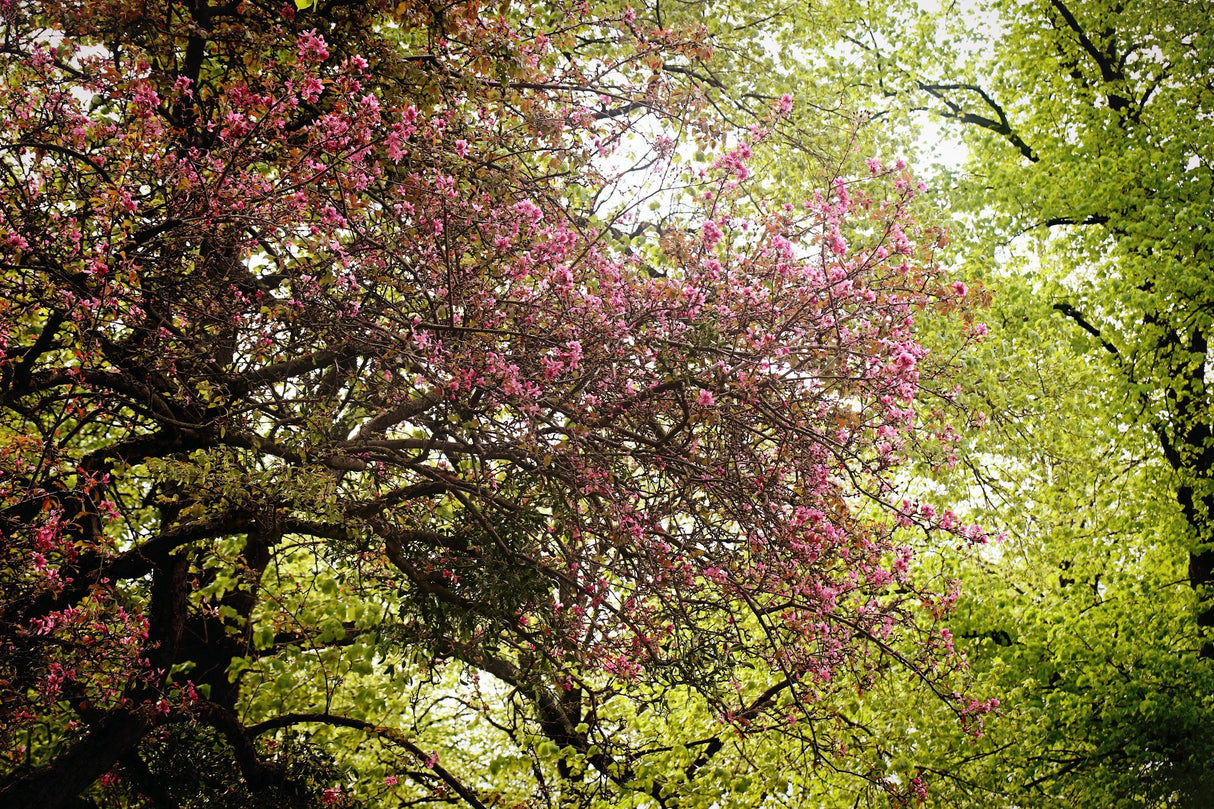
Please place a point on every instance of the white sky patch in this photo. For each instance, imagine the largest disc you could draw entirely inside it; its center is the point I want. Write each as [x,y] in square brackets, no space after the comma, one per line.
[939,146]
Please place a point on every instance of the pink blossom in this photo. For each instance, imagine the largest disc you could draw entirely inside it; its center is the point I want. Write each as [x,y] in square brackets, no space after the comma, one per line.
[529,211]
[838,245]
[573,354]
[312,88]
[145,97]
[311,47]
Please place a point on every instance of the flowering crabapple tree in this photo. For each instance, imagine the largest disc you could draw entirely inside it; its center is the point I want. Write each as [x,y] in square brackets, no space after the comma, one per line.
[341,334]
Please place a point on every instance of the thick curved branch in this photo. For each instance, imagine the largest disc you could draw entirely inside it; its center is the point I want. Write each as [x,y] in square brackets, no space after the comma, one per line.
[1109,72]
[1001,127]
[392,735]
[55,785]
[1090,219]
[133,564]
[1075,315]
[59,148]
[1108,62]
[241,384]
[256,772]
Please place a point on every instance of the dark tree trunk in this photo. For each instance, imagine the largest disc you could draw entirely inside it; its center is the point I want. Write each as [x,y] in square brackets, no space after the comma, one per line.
[57,784]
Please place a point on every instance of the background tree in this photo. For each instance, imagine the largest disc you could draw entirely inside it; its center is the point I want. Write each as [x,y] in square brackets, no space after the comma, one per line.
[335,364]
[1085,205]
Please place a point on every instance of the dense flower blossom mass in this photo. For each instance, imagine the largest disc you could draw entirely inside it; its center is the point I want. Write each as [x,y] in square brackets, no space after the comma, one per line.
[344,280]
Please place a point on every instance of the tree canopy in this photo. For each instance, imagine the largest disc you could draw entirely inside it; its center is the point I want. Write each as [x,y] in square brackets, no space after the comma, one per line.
[406,403]
[581,404]
[1085,205]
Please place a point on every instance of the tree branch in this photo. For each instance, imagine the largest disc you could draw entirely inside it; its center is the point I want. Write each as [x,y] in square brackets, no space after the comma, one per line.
[1074,314]
[1109,72]
[393,735]
[1001,127]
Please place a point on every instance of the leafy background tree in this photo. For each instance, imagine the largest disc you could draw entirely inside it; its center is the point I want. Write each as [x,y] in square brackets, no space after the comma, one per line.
[1084,204]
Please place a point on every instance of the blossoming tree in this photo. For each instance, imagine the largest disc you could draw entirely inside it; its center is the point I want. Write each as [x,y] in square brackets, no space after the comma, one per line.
[343,341]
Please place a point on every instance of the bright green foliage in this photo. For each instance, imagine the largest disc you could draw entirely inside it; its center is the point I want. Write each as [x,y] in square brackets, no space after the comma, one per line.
[1086,207]
[1082,622]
